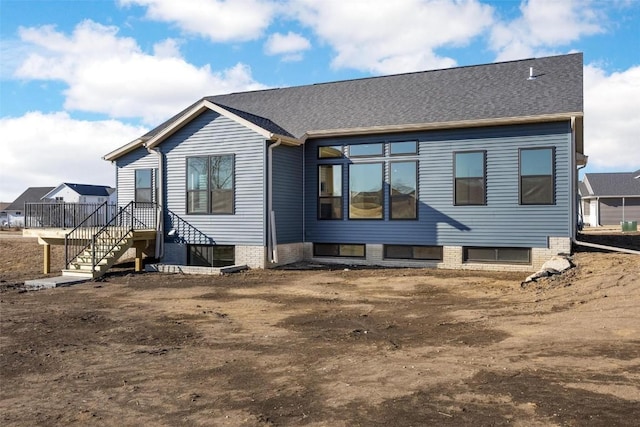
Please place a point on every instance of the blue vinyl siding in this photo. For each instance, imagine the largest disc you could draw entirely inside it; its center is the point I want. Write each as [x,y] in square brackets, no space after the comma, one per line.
[125,172]
[210,134]
[287,193]
[501,222]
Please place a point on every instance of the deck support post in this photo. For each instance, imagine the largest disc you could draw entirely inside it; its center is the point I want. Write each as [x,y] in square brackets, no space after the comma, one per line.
[139,246]
[46,265]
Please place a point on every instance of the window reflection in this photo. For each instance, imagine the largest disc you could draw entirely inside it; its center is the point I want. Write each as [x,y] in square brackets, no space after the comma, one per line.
[365,191]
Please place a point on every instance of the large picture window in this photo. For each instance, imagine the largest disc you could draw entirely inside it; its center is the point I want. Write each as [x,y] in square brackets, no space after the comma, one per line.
[470,179]
[366,198]
[144,185]
[403,190]
[330,192]
[537,176]
[210,184]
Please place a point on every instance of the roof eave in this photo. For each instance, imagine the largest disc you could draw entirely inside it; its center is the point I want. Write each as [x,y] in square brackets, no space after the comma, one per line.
[115,154]
[440,125]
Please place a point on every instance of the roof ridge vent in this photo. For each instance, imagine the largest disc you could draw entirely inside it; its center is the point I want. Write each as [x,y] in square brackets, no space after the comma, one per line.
[531,75]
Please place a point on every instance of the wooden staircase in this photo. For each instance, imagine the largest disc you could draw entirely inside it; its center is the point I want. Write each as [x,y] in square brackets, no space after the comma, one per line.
[101,249]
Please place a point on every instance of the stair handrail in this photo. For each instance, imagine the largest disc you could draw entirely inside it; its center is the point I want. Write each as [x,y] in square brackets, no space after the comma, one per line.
[182,231]
[117,223]
[80,233]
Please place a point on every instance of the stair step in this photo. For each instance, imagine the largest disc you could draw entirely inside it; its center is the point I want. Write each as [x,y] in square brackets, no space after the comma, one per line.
[77,273]
[104,250]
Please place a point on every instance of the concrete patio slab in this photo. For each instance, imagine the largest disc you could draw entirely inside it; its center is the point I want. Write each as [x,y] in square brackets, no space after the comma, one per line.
[53,282]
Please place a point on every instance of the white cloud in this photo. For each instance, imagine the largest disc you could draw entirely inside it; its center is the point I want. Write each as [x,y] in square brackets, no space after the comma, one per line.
[217,20]
[290,45]
[169,48]
[41,150]
[612,118]
[111,75]
[543,26]
[385,37]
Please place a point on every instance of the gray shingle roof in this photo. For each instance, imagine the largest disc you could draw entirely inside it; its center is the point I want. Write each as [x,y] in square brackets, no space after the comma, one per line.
[612,184]
[30,195]
[491,91]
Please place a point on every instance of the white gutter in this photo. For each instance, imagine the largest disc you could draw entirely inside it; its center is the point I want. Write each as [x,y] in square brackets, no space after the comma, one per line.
[415,127]
[160,211]
[272,244]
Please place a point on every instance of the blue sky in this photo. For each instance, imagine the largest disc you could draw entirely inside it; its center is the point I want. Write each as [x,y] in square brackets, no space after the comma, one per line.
[79,78]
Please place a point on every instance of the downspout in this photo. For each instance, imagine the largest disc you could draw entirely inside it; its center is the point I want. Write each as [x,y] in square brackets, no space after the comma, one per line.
[575,208]
[304,197]
[160,210]
[272,244]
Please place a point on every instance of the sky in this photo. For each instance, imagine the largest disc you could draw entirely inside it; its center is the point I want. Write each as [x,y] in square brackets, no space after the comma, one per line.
[80,78]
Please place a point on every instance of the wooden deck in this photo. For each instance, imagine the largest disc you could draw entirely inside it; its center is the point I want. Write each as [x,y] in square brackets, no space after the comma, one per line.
[55,236]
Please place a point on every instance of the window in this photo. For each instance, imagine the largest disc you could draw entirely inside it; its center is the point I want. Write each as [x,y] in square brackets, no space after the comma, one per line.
[330,192]
[210,184]
[413,252]
[366,150]
[365,191]
[404,147]
[339,250]
[210,255]
[536,176]
[330,152]
[403,190]
[144,185]
[503,255]
[470,180]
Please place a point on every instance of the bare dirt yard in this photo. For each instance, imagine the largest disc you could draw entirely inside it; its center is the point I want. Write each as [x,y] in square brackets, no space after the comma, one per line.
[322,347]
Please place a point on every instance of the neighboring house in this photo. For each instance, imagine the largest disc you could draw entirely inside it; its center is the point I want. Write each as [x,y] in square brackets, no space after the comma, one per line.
[4,221]
[81,193]
[610,198]
[15,211]
[470,167]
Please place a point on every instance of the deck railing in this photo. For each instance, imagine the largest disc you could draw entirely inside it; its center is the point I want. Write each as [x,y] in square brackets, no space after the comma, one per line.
[68,215]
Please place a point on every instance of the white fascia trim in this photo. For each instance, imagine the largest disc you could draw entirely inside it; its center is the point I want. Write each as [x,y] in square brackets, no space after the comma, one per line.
[204,105]
[123,150]
[585,181]
[440,125]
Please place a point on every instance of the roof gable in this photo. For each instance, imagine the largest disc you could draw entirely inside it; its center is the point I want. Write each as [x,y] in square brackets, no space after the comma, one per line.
[89,190]
[82,189]
[30,195]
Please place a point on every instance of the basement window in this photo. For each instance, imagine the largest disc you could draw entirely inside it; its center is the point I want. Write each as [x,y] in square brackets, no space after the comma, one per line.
[210,255]
[413,252]
[497,255]
[339,250]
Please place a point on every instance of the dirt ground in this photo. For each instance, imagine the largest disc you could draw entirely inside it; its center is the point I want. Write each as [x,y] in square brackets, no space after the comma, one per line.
[322,347]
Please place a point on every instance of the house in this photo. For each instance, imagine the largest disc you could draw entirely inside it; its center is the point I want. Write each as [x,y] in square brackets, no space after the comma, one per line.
[4,220]
[15,211]
[82,193]
[610,198]
[472,167]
